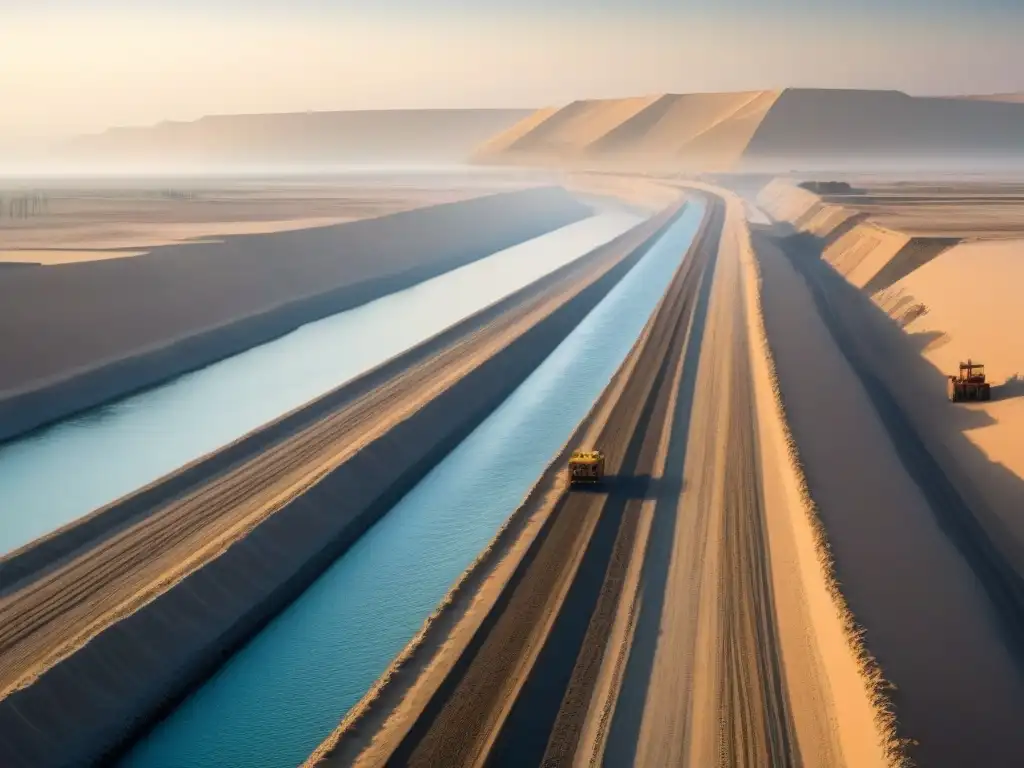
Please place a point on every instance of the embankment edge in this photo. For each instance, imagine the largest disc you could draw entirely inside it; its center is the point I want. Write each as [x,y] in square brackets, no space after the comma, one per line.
[876,687]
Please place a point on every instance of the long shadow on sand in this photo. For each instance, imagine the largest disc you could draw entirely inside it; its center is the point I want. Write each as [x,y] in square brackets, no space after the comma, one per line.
[635,487]
[981,536]
[624,730]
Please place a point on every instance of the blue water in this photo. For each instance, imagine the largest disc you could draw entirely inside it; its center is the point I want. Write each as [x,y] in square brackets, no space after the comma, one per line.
[57,475]
[282,694]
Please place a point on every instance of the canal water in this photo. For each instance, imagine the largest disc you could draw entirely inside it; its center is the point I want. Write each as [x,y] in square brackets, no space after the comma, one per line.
[276,699]
[54,476]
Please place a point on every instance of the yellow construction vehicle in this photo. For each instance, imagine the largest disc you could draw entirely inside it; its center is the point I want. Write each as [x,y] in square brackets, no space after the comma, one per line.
[586,467]
[969,384]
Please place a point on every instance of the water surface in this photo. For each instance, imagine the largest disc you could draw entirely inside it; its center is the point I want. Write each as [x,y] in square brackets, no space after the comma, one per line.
[284,692]
[54,476]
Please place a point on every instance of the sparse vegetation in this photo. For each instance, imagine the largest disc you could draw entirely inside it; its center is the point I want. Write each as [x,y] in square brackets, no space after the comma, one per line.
[177,194]
[24,205]
[828,187]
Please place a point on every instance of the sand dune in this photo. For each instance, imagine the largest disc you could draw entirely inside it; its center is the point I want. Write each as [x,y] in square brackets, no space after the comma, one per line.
[296,139]
[506,138]
[795,127]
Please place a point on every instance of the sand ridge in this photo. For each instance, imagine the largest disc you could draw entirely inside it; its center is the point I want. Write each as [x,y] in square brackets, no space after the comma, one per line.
[765,130]
[925,558]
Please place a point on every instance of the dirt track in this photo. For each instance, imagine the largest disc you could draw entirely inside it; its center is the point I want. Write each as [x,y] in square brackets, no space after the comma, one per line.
[56,612]
[531,690]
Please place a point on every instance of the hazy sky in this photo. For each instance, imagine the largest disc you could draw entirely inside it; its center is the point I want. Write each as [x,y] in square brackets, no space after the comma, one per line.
[68,66]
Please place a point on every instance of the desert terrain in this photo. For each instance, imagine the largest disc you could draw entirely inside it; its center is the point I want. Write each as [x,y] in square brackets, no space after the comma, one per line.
[128,323]
[766,131]
[801,554]
[908,280]
[65,224]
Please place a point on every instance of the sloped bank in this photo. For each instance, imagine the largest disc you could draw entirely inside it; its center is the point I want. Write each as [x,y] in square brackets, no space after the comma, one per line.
[91,704]
[93,332]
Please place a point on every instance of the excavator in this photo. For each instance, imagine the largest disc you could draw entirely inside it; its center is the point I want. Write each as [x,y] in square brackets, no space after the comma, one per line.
[586,468]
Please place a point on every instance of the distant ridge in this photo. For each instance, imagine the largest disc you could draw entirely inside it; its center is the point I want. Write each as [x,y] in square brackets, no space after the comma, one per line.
[299,138]
[762,130]
[1013,98]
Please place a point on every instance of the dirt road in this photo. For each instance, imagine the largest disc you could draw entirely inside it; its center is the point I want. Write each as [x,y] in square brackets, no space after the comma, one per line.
[699,681]
[702,684]
[506,707]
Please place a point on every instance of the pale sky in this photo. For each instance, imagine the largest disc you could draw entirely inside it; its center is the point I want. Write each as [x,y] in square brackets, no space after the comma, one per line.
[72,66]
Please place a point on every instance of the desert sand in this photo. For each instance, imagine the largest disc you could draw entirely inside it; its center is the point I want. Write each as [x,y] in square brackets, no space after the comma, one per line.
[108,218]
[629,608]
[929,551]
[953,295]
[266,506]
[129,323]
[761,130]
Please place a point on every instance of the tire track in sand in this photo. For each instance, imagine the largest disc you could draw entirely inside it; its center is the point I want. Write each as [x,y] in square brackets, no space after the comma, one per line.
[474,718]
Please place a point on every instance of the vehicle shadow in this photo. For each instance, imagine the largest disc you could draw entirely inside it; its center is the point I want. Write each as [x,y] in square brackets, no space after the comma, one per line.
[1009,389]
[633,487]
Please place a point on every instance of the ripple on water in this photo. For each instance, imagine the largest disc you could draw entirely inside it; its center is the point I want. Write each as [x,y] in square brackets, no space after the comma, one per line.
[282,694]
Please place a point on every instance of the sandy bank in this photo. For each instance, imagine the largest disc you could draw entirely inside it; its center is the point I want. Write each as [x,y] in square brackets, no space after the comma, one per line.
[264,560]
[922,564]
[856,242]
[572,639]
[841,716]
[126,324]
[953,298]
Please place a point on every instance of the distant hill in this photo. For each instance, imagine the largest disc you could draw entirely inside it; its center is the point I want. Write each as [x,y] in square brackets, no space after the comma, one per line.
[297,139]
[1014,98]
[762,130]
